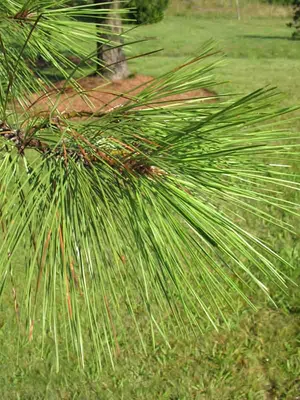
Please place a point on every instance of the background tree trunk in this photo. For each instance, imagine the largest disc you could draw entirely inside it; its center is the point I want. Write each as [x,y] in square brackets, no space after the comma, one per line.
[238,9]
[112,61]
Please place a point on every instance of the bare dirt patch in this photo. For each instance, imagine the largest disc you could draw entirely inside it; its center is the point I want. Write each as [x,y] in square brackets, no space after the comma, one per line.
[105,96]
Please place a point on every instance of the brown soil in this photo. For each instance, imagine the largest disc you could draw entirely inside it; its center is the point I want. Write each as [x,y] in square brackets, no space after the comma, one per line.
[105,96]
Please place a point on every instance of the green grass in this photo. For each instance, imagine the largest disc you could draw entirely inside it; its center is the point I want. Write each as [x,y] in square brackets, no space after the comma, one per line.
[258,52]
[228,8]
[257,359]
[257,356]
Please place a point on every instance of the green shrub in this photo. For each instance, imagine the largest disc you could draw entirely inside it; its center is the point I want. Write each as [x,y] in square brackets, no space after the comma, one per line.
[296,20]
[147,12]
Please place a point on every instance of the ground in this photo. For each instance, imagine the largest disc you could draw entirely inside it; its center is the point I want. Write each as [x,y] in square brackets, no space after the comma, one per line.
[105,96]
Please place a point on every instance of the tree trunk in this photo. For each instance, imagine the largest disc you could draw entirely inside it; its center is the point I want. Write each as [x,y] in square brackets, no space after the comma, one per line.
[238,9]
[111,59]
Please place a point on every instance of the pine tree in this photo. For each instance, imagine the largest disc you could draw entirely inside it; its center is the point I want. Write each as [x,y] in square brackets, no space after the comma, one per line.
[131,217]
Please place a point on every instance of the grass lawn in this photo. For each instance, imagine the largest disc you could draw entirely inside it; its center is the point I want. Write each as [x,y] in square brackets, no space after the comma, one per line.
[257,356]
[257,51]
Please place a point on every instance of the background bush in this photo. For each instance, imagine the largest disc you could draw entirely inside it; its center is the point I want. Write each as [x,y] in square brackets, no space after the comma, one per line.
[296,20]
[147,12]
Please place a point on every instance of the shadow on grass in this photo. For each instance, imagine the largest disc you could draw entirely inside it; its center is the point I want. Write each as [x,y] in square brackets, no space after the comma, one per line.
[267,37]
